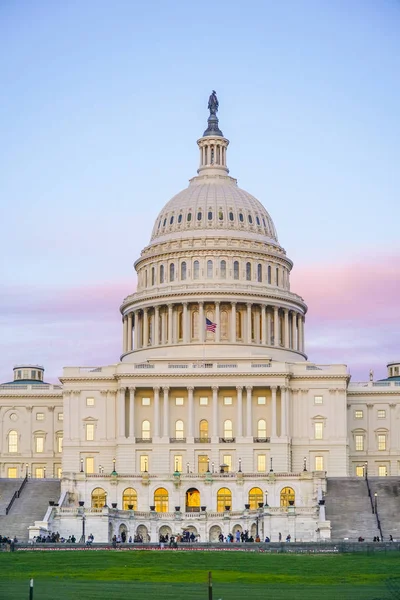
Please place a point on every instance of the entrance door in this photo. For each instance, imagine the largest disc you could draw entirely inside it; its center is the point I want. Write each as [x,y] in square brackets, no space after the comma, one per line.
[193,500]
[202,463]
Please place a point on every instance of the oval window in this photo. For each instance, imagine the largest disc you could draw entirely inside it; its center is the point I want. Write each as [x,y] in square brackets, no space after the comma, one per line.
[209,215]
[189,217]
[164,222]
[180,219]
[159,224]
[264,222]
[231,216]
[199,215]
[221,215]
[257,221]
[250,218]
[241,217]
[171,220]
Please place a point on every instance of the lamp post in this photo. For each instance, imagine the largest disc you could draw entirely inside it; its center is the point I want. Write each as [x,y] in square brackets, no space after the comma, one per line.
[81,465]
[376,503]
[114,462]
[266,498]
[187,467]
[145,465]
[100,469]
[366,470]
[208,465]
[26,470]
[240,465]
[305,463]
[83,528]
[44,472]
[212,467]
[270,468]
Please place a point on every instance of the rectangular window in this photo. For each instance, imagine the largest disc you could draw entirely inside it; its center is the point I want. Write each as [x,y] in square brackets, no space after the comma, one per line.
[60,444]
[261,400]
[26,375]
[59,472]
[227,400]
[382,470]
[89,401]
[203,401]
[60,416]
[89,432]
[319,463]
[318,430]
[145,401]
[12,473]
[359,442]
[317,399]
[33,374]
[381,414]
[89,467]
[178,463]
[39,473]
[359,471]
[358,414]
[39,416]
[144,463]
[227,460]
[179,401]
[261,463]
[202,463]
[39,444]
[381,442]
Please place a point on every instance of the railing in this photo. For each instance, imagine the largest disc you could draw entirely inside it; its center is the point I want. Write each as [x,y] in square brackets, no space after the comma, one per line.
[227,440]
[261,365]
[144,440]
[16,494]
[177,440]
[144,366]
[374,507]
[202,440]
[261,440]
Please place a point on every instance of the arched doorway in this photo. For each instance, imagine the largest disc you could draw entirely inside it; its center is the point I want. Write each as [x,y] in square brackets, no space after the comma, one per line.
[143,533]
[129,498]
[255,498]
[224,499]
[236,528]
[215,531]
[287,496]
[253,530]
[99,497]
[193,500]
[123,532]
[165,530]
[161,500]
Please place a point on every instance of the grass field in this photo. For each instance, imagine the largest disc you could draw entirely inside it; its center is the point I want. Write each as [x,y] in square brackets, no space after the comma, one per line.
[141,575]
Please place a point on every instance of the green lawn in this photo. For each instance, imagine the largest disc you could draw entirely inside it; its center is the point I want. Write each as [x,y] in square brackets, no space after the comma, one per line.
[141,575]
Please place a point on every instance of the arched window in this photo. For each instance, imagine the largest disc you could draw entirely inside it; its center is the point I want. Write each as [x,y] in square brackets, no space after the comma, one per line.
[171,220]
[250,218]
[99,498]
[199,215]
[220,215]
[210,215]
[162,274]
[259,272]
[277,276]
[196,269]
[161,500]
[146,430]
[228,429]
[258,221]
[164,222]
[180,325]
[231,217]
[145,279]
[180,219]
[224,325]
[262,428]
[209,269]
[171,272]
[204,429]
[248,271]
[269,274]
[287,496]
[195,325]
[241,218]
[189,217]
[238,325]
[13,441]
[224,499]
[183,271]
[236,269]
[179,433]
[129,498]
[223,269]
[153,276]
[255,498]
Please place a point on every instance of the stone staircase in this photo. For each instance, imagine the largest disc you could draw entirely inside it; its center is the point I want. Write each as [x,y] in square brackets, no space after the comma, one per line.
[31,506]
[8,487]
[348,508]
[388,504]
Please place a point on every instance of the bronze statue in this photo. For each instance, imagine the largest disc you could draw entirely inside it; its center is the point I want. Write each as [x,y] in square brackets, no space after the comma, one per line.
[213,103]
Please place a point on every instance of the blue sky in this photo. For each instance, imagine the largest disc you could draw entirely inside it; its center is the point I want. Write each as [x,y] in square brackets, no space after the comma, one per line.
[101,107]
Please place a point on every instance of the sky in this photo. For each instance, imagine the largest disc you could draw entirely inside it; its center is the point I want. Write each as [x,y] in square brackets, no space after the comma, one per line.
[101,106]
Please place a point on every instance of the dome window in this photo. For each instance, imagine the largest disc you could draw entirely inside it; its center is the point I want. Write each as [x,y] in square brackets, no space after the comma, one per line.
[180,219]
[189,217]
[236,269]
[171,220]
[264,222]
[248,271]
[231,217]
[223,269]
[258,221]
[153,276]
[241,218]
[162,274]
[196,269]
[164,222]
[250,219]
[209,269]
[183,271]
[259,272]
[210,215]
[171,272]
[269,274]
[159,224]
[221,215]
[199,216]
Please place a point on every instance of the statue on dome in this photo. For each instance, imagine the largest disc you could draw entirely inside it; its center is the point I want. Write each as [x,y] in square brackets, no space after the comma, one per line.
[213,103]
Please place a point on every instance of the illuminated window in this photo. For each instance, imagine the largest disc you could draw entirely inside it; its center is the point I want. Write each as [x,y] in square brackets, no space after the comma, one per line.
[89,465]
[146,430]
[39,472]
[359,439]
[12,473]
[99,498]
[262,428]
[12,441]
[381,414]
[261,400]
[318,430]
[178,463]
[381,442]
[227,460]
[261,463]
[39,444]
[183,271]
[196,269]
[224,499]
[144,463]
[358,414]
[89,401]
[129,498]
[236,270]
[227,400]
[39,416]
[287,496]
[145,401]
[59,472]
[60,444]
[317,399]
[319,463]
[179,401]
[203,429]
[179,431]
[359,471]
[382,470]
[256,497]
[60,416]
[161,500]
[223,269]
[89,432]
[228,429]
[202,463]
[203,401]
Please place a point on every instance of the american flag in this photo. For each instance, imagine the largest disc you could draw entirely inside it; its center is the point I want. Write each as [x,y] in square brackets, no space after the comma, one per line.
[210,326]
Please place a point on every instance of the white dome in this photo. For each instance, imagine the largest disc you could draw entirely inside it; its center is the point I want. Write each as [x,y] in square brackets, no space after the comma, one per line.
[217,205]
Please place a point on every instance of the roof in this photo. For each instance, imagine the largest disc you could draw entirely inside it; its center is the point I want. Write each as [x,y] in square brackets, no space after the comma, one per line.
[26,382]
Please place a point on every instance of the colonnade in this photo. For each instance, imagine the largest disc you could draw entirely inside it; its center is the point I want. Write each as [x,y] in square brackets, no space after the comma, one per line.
[185,322]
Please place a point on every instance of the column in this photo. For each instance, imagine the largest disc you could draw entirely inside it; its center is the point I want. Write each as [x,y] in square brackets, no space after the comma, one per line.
[166,412]
[129,333]
[163,341]
[136,329]
[156,391]
[132,412]
[249,390]
[273,412]
[233,322]
[269,323]
[124,334]
[249,322]
[121,413]
[190,411]
[156,325]
[145,328]
[300,343]
[294,340]
[283,412]
[239,390]
[276,326]
[286,318]
[263,325]
[302,333]
[184,322]
[202,323]
[218,322]
[170,340]
[215,411]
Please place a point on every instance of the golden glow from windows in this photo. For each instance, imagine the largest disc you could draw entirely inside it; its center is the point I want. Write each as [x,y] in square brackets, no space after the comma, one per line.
[179,431]
[99,498]
[227,460]
[178,463]
[161,500]
[89,432]
[359,439]
[192,499]
[12,473]
[262,428]
[202,463]
[39,444]
[89,465]
[203,429]
[129,498]
[13,441]
[89,401]
[60,444]
[224,498]
[319,463]
[359,471]
[255,497]
[382,470]
[146,430]
[261,463]
[381,442]
[228,429]
[358,414]
[287,496]
[39,473]
[318,430]
[144,463]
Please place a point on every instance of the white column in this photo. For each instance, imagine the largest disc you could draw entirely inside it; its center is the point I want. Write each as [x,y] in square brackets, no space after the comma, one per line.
[163,336]
[132,413]
[156,325]
[136,330]
[170,340]
[202,322]
[166,412]
[184,322]
[121,412]
[233,322]
[218,322]
[156,429]
[302,319]
[249,322]
[249,390]
[145,327]
[190,411]
[215,411]
[263,326]
[125,334]
[294,341]
[269,322]
[286,327]
[273,412]
[283,412]
[276,326]
[239,390]
[129,346]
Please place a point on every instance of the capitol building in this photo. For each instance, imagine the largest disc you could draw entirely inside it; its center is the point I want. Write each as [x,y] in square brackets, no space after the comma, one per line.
[213,419]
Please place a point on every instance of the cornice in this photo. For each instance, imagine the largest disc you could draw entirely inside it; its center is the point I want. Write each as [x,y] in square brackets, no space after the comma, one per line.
[372,392]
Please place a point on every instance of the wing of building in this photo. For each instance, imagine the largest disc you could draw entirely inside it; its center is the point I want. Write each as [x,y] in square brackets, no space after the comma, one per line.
[213,419]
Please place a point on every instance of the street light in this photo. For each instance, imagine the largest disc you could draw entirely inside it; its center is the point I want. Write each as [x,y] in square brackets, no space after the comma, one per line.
[270,468]
[240,465]
[305,463]
[266,498]
[83,528]
[44,472]
[366,470]
[376,503]
[187,468]
[208,465]
[212,467]
[81,465]
[26,469]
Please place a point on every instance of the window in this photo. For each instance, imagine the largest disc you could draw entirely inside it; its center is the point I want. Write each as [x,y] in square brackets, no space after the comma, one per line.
[39,444]
[224,325]
[381,442]
[359,439]
[145,401]
[59,472]
[228,429]
[382,470]
[144,463]
[238,325]
[231,217]
[89,465]
[255,498]
[199,216]
[89,432]
[223,269]
[209,269]
[258,221]
[179,401]
[228,400]
[359,471]
[179,433]
[39,416]
[129,499]
[317,399]
[250,219]
[287,497]
[261,400]
[153,276]
[180,219]
[210,215]
[171,272]
[162,274]
[241,218]
[236,269]
[224,499]
[262,428]
[227,461]
[89,401]
[60,416]
[164,222]
[196,269]
[319,463]
[12,472]
[146,430]
[13,441]
[195,325]
[33,374]
[60,444]
[161,500]
[99,498]
[171,220]
[178,463]
[189,217]
[358,414]
[19,374]
[318,429]
[183,271]
[25,374]
[248,271]
[269,274]
[381,414]
[277,276]
[204,429]
[259,272]
[202,463]
[220,215]
[261,463]
[203,401]
[39,472]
